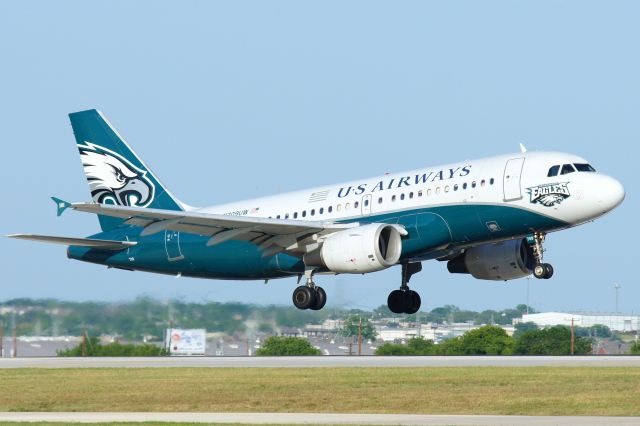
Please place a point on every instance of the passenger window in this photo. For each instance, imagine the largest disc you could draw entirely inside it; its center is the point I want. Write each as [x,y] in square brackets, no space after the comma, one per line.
[491,181]
[437,190]
[347,206]
[429,192]
[393,198]
[566,169]
[330,209]
[464,185]
[355,205]
[473,184]
[339,207]
[304,213]
[420,193]
[366,202]
[321,210]
[584,167]
[278,217]
[380,200]
[286,216]
[313,212]
[295,215]
[482,182]
[402,196]
[455,187]
[553,171]
[446,188]
[411,195]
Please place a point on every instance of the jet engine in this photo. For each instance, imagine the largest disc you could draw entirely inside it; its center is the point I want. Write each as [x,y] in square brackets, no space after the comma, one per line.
[506,260]
[362,249]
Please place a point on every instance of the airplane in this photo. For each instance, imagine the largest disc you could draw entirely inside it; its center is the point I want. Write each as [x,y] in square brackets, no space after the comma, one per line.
[487,218]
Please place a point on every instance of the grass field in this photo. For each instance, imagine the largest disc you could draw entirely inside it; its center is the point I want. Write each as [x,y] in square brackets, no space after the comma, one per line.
[486,390]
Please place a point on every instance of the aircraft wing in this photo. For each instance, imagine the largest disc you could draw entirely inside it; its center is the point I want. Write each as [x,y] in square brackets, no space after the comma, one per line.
[83,242]
[271,235]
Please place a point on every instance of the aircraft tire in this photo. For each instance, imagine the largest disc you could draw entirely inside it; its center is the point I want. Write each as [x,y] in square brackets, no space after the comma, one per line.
[413,302]
[321,299]
[397,301]
[304,297]
[539,271]
[548,271]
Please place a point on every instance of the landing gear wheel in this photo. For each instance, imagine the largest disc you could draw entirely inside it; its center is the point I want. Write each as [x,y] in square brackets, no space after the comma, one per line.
[397,301]
[405,300]
[413,302]
[304,297]
[539,271]
[548,271]
[321,299]
[543,271]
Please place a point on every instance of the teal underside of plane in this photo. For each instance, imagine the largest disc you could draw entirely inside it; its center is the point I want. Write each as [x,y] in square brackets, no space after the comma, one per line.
[433,232]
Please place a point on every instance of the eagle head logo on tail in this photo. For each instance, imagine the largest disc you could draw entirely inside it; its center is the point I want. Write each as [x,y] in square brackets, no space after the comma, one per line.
[114,180]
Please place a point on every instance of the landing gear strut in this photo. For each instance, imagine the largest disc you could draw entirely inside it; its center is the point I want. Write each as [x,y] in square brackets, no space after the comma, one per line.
[309,296]
[405,300]
[540,270]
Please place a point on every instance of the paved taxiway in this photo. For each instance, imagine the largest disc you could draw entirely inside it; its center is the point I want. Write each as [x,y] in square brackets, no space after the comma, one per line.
[317,418]
[324,361]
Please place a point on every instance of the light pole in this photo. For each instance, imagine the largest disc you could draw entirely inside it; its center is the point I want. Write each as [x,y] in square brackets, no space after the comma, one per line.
[616,286]
[528,280]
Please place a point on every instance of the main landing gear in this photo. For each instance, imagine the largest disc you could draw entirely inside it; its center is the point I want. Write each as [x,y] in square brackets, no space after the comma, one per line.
[405,300]
[309,296]
[540,270]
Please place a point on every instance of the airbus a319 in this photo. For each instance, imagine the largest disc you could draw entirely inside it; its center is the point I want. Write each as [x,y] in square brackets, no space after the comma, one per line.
[487,218]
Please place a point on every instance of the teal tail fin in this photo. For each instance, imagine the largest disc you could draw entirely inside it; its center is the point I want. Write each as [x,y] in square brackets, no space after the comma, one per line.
[116,175]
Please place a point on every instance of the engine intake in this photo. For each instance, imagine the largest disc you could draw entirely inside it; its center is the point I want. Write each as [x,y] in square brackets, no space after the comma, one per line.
[506,260]
[366,248]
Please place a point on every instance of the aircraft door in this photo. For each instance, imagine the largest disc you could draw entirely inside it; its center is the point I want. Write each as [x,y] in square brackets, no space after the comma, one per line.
[512,178]
[366,205]
[172,245]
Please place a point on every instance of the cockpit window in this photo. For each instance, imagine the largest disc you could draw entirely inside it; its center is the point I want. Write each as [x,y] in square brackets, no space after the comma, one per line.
[553,171]
[567,168]
[582,167]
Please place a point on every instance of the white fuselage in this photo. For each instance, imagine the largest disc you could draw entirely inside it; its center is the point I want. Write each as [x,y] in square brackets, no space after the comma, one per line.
[517,180]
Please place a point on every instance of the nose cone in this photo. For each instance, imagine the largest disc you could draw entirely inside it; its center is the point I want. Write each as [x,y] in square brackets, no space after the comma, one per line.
[611,193]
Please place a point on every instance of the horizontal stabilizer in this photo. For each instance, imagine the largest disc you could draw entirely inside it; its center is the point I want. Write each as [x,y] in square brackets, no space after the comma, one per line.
[81,242]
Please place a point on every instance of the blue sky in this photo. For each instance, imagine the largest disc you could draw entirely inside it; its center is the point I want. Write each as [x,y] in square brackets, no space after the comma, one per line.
[232,100]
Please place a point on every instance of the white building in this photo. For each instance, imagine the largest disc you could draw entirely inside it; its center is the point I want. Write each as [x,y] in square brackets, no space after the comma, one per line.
[616,322]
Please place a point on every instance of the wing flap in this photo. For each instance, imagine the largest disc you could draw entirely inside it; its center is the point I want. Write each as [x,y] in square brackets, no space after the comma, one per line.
[81,242]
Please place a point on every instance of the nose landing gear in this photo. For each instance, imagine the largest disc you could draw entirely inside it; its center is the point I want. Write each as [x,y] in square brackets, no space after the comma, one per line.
[540,270]
[309,296]
[405,300]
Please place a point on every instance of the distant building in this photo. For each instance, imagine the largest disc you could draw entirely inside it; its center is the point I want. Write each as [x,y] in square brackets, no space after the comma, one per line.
[616,322]
[430,331]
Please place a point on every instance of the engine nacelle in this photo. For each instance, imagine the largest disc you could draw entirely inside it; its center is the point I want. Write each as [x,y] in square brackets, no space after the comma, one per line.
[366,248]
[502,261]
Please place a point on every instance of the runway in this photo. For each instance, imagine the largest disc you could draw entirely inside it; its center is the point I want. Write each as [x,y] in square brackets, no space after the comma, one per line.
[322,362]
[316,418]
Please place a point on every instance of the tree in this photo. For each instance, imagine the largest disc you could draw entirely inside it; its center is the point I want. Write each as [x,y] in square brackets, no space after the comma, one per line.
[487,340]
[393,349]
[94,348]
[551,341]
[415,346]
[523,327]
[352,324]
[287,346]
[635,348]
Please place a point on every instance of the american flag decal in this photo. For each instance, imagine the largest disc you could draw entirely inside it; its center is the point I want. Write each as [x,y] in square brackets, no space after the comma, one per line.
[255,210]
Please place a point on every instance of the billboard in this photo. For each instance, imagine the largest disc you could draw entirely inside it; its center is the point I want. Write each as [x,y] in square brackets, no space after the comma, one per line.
[186,342]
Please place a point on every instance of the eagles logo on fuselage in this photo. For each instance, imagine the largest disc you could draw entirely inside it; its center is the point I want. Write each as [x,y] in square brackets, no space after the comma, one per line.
[549,194]
[113,179]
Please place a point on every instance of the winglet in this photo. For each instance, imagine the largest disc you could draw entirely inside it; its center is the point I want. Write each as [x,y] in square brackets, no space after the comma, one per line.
[61,205]
[523,149]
